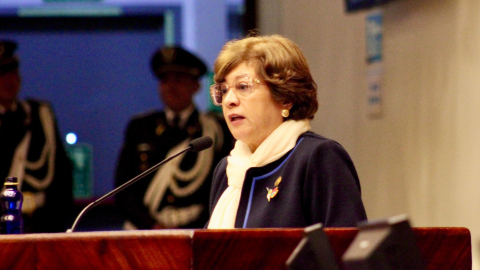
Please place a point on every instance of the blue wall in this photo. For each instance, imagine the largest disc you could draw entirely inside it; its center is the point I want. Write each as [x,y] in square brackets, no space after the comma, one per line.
[97,75]
[96,81]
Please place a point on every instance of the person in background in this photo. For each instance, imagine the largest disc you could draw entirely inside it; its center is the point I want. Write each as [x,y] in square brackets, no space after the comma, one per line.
[176,195]
[31,150]
[280,173]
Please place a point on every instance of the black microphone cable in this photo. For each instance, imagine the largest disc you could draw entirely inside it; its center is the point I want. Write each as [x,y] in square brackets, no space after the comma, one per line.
[195,145]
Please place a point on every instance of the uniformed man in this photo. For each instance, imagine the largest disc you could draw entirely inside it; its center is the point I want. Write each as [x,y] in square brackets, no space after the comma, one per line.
[177,194]
[31,150]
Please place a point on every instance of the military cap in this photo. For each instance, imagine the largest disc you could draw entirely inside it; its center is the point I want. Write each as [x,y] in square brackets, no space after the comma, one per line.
[8,61]
[176,59]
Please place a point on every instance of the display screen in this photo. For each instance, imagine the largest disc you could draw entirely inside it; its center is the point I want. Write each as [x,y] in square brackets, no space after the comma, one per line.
[83,8]
[355,5]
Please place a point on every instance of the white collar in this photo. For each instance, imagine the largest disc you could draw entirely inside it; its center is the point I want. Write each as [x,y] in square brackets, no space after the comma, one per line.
[184,115]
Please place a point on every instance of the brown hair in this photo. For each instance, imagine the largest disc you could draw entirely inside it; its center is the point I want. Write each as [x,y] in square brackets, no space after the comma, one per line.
[280,63]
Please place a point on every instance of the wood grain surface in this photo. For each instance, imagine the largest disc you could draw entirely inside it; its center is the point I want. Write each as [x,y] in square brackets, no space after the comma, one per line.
[256,249]
[445,248]
[98,250]
[265,249]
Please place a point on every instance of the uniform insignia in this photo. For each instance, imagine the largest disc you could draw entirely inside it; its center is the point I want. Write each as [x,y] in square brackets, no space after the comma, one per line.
[143,167]
[168,55]
[273,192]
[143,147]
[192,130]
[159,130]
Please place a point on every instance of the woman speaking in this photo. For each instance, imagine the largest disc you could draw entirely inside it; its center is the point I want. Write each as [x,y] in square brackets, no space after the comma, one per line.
[280,174]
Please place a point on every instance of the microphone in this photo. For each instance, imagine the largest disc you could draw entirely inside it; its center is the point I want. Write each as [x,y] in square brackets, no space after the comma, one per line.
[195,145]
[201,144]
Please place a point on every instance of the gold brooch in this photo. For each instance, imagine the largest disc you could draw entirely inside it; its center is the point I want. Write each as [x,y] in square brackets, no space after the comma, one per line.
[274,191]
[277,182]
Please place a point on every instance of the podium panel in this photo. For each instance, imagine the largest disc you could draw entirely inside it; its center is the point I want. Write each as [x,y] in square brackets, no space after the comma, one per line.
[265,249]
[97,250]
[256,249]
[445,248]
[244,249]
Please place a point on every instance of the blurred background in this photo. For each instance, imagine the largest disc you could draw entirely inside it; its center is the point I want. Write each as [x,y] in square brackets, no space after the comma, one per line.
[91,60]
[398,86]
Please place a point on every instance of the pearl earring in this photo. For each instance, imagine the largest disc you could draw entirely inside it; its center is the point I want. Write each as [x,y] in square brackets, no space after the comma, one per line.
[285,113]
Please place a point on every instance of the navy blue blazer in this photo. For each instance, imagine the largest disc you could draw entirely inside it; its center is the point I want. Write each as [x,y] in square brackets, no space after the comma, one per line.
[315,182]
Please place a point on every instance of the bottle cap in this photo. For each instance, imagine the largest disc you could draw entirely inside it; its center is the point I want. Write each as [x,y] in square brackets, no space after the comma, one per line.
[11,181]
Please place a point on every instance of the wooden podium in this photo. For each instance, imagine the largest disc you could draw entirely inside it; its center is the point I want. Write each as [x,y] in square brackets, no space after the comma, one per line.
[256,249]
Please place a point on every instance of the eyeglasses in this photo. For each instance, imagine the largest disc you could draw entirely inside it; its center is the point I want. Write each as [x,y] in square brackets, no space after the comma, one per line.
[242,86]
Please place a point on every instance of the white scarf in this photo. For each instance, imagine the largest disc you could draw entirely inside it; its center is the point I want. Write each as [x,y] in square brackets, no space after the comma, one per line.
[275,146]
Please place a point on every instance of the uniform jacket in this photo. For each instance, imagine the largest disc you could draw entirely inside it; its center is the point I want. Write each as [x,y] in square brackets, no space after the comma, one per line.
[148,139]
[315,182]
[54,212]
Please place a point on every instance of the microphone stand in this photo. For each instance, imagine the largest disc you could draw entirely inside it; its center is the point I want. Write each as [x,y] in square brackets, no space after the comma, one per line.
[125,185]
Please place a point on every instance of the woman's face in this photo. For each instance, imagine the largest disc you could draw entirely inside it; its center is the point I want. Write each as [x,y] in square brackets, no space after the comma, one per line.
[253,118]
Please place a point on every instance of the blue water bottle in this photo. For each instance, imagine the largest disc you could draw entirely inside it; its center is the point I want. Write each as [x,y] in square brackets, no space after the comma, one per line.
[11,221]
